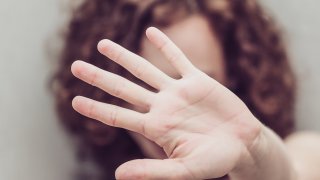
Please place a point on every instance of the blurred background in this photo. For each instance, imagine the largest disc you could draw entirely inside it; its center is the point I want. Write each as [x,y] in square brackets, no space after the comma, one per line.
[33,145]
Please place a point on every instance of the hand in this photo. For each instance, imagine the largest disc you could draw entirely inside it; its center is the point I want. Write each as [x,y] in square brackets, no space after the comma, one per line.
[205,129]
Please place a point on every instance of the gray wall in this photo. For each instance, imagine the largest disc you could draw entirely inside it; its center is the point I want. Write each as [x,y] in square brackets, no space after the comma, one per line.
[301,22]
[33,146]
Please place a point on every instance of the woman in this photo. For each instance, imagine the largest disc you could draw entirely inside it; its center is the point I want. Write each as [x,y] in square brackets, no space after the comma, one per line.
[174,101]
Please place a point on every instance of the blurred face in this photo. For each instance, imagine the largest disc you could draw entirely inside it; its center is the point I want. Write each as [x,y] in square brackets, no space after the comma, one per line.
[196,39]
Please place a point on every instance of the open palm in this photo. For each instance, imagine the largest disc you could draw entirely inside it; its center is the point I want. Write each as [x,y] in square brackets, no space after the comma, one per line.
[202,126]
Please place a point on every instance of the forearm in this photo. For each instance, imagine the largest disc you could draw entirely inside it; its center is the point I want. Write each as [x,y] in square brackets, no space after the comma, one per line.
[266,159]
[304,148]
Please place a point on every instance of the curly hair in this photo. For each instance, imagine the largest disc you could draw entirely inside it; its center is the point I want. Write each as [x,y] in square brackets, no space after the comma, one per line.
[257,66]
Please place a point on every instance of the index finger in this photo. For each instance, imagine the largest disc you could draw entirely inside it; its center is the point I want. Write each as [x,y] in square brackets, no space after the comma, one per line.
[135,64]
[173,54]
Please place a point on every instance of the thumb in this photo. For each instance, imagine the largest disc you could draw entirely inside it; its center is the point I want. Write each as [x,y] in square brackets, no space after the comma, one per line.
[153,169]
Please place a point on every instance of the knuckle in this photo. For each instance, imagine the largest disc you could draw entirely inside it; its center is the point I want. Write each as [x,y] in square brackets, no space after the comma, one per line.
[175,56]
[95,78]
[92,110]
[118,88]
[139,70]
[118,56]
[164,46]
[113,116]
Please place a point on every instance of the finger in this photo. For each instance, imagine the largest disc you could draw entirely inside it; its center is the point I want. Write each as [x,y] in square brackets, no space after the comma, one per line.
[153,169]
[135,64]
[110,114]
[112,84]
[173,54]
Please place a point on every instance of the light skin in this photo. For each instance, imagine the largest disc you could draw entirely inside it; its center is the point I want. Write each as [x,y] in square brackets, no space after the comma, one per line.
[204,52]
[205,130]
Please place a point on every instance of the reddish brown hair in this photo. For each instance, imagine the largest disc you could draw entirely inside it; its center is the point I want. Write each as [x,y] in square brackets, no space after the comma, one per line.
[257,65]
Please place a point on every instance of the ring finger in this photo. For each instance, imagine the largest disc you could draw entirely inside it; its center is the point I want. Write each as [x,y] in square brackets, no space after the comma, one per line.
[113,84]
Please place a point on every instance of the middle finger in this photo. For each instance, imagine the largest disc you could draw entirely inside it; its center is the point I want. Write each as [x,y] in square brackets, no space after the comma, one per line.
[113,84]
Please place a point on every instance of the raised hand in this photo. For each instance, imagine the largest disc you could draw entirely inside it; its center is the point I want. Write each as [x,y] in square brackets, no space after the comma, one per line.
[205,129]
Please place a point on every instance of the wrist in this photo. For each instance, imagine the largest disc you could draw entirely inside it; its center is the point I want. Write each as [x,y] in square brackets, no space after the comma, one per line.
[253,152]
[265,158]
